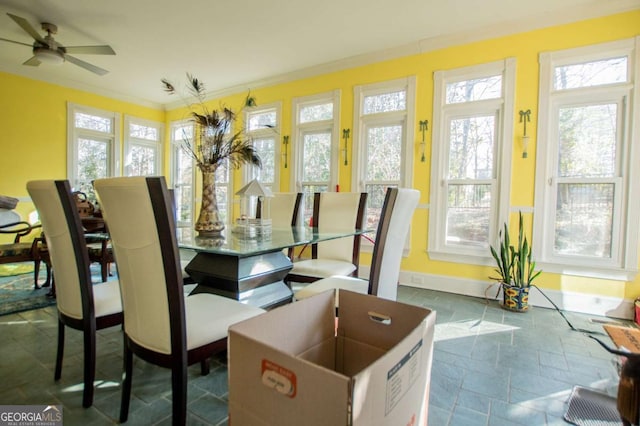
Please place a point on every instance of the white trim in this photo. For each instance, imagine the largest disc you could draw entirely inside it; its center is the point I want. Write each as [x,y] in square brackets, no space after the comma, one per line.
[295,151]
[72,136]
[274,133]
[623,263]
[614,307]
[503,107]
[158,145]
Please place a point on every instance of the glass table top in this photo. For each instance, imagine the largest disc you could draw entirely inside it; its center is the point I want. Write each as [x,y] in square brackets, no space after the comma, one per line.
[239,245]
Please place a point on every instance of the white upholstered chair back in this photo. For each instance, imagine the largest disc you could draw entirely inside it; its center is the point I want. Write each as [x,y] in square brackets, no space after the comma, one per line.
[57,231]
[127,208]
[337,211]
[285,209]
[392,235]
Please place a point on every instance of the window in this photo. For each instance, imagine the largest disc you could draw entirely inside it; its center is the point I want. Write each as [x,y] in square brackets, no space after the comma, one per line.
[471,153]
[93,148]
[263,126]
[316,146]
[383,141]
[142,147]
[586,188]
[182,174]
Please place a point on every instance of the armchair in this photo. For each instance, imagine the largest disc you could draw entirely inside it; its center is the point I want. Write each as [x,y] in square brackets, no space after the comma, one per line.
[23,251]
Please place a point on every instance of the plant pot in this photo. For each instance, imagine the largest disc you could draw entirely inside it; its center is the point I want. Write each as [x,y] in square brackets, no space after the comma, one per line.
[515,298]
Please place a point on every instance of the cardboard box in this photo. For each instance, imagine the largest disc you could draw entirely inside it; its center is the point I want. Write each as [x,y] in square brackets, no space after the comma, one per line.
[289,366]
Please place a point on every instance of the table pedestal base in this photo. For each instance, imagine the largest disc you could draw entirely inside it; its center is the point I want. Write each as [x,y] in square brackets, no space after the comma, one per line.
[255,280]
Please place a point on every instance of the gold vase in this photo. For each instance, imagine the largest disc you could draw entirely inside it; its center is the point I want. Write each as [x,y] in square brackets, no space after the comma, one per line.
[209,223]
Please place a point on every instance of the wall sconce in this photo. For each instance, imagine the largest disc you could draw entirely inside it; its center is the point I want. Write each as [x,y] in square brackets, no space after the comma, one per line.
[524,117]
[285,142]
[345,136]
[424,126]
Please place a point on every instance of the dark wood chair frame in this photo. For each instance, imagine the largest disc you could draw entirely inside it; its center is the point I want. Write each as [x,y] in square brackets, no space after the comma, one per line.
[89,324]
[355,259]
[180,358]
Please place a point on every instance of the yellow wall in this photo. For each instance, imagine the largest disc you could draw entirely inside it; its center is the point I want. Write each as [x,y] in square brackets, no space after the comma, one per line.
[33,122]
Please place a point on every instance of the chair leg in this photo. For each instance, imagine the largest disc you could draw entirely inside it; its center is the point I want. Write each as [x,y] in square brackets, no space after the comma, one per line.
[104,270]
[60,353]
[126,383]
[36,273]
[205,367]
[179,392]
[89,367]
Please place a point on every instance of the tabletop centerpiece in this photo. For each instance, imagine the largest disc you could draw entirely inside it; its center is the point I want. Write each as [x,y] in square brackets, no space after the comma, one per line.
[214,144]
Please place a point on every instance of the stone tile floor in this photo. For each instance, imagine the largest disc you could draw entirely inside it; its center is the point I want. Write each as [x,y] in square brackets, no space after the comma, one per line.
[491,367]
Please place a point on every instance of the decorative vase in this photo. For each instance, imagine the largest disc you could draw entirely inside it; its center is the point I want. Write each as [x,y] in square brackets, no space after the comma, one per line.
[515,298]
[209,223]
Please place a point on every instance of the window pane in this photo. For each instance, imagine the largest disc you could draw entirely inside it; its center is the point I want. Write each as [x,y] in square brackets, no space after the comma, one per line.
[316,112]
[474,90]
[468,214]
[262,120]
[597,73]
[92,164]
[394,101]
[183,133]
[316,155]
[384,153]
[143,132]
[92,122]
[584,219]
[266,150]
[587,146]
[309,191]
[183,196]
[375,200]
[222,196]
[472,147]
[142,161]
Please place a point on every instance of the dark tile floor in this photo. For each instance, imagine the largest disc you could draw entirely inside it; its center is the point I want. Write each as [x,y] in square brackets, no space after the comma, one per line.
[491,367]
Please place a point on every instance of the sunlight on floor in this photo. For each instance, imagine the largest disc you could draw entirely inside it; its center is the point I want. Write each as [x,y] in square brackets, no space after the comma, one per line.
[455,330]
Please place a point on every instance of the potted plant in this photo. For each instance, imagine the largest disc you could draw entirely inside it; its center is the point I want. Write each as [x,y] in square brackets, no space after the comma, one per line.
[515,268]
[213,145]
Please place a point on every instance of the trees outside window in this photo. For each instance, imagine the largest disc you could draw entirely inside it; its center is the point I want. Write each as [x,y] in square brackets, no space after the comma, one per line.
[471,154]
[586,190]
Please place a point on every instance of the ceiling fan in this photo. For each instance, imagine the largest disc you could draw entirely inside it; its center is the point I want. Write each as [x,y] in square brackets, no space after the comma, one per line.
[46,49]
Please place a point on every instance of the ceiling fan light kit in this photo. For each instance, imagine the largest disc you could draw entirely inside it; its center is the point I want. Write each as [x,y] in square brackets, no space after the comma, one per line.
[47,50]
[48,56]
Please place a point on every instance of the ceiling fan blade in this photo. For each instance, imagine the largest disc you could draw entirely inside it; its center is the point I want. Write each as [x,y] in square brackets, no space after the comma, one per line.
[90,50]
[34,62]
[16,42]
[25,25]
[86,65]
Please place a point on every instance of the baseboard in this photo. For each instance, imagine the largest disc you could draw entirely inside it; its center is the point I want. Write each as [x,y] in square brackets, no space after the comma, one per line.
[585,303]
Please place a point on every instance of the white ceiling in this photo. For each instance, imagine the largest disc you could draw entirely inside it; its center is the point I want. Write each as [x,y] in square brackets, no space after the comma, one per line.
[243,44]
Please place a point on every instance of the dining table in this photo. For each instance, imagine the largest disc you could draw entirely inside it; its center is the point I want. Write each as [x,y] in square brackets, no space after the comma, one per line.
[250,269]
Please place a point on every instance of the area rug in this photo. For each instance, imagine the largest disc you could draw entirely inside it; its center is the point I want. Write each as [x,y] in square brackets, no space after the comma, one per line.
[588,407]
[17,294]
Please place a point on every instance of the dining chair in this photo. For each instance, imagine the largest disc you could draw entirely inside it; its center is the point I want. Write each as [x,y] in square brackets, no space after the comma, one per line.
[81,305]
[285,210]
[161,325]
[333,211]
[393,228]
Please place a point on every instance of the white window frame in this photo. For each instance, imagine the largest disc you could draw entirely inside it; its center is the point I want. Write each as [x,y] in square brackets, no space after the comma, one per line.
[623,263]
[266,133]
[503,107]
[74,133]
[130,142]
[405,118]
[176,148]
[322,126]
